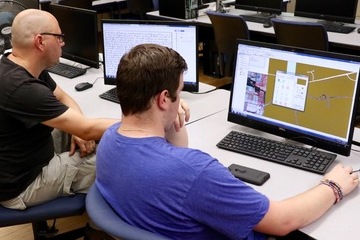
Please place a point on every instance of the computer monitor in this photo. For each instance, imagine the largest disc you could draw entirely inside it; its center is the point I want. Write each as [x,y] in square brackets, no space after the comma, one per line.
[81,34]
[29,3]
[120,35]
[329,10]
[262,6]
[303,95]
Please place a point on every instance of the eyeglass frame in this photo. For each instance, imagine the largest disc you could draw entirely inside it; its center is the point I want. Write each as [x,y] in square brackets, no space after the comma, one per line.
[60,36]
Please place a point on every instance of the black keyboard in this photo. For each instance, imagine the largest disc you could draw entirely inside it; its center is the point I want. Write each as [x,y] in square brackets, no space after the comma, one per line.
[110,95]
[256,18]
[66,70]
[338,27]
[284,153]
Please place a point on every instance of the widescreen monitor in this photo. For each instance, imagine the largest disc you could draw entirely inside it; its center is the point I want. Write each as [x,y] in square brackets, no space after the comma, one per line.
[303,95]
[329,10]
[261,6]
[81,34]
[120,35]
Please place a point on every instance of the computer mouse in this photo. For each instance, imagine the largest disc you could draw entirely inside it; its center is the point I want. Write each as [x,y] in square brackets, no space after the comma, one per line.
[83,86]
[358,30]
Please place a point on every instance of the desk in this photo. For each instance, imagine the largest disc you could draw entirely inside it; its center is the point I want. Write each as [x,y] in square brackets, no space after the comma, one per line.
[341,222]
[348,43]
[93,106]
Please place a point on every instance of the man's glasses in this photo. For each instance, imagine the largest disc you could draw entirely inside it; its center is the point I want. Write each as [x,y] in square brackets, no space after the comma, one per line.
[60,37]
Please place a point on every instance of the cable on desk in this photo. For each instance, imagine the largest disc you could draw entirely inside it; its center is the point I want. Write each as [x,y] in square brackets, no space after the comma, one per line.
[209,91]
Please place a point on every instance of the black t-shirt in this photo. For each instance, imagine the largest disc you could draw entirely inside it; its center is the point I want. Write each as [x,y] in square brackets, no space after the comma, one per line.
[26,145]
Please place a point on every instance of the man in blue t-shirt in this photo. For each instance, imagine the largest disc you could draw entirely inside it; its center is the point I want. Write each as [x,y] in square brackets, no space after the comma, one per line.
[152,179]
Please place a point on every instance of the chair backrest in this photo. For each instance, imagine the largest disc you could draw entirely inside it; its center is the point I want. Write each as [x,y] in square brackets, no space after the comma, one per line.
[310,35]
[140,7]
[227,29]
[104,217]
[87,4]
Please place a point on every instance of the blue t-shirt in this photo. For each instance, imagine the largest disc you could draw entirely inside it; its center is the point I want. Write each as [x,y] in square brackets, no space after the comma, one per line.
[180,193]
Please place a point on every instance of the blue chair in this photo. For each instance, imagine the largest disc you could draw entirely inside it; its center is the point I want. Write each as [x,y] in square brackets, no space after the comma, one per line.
[104,217]
[310,35]
[58,208]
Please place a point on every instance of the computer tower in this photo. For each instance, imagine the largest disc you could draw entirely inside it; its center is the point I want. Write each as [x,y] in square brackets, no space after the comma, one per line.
[184,9]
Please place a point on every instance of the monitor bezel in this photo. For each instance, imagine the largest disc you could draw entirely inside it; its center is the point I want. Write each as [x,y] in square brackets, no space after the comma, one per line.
[288,133]
[249,5]
[324,16]
[95,63]
[35,4]
[188,87]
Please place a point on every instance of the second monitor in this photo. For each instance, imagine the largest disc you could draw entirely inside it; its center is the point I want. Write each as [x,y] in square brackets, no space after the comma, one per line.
[264,9]
[119,36]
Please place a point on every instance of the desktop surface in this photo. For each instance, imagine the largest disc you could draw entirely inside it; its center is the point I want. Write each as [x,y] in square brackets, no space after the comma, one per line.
[339,223]
[348,43]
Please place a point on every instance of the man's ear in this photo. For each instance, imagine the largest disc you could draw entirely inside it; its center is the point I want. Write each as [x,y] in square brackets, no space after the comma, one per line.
[162,99]
[39,43]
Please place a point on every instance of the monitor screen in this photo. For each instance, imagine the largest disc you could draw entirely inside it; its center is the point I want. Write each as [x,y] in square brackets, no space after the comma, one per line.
[119,36]
[303,95]
[81,34]
[330,10]
[29,3]
[263,6]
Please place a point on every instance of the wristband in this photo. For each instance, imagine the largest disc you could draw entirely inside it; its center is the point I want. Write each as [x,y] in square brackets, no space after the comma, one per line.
[335,187]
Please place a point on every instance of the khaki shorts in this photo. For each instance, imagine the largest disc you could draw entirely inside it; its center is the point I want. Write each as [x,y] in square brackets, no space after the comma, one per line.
[63,176]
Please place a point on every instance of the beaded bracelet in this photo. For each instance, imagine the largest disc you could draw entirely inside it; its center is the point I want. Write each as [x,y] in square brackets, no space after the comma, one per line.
[335,187]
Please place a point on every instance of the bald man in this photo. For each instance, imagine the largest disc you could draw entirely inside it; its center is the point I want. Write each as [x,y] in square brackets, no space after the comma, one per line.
[31,106]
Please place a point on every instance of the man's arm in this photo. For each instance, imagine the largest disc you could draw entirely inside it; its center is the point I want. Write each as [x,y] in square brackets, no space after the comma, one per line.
[65,98]
[83,130]
[298,211]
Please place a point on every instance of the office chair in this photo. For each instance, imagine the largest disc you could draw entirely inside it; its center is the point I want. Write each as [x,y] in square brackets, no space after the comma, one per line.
[104,217]
[140,7]
[87,4]
[37,215]
[301,34]
[227,29]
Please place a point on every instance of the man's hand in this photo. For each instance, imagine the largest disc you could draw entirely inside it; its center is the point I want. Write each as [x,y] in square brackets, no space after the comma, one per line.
[183,115]
[85,147]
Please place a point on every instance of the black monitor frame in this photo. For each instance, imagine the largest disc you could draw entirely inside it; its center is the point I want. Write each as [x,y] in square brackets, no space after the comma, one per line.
[81,34]
[110,77]
[299,131]
[263,6]
[29,3]
[328,10]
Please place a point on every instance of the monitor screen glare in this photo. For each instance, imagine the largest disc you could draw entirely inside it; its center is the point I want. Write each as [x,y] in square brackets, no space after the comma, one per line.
[119,36]
[303,95]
